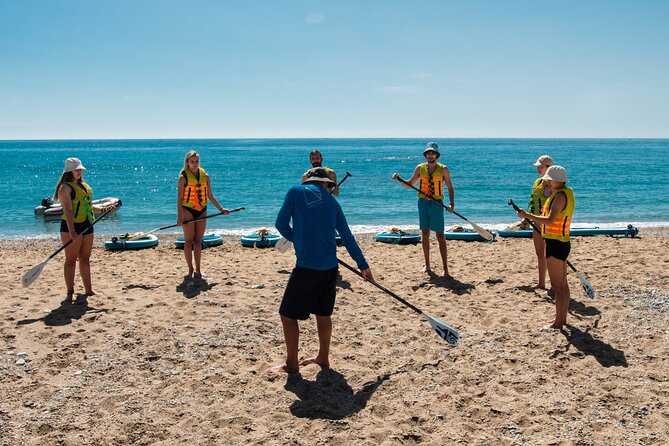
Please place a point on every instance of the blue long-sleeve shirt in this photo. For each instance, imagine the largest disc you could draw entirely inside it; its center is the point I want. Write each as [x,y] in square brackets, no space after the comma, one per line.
[316,215]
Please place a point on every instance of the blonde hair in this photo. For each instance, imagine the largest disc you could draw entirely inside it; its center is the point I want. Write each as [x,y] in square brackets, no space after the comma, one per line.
[188,155]
[66,177]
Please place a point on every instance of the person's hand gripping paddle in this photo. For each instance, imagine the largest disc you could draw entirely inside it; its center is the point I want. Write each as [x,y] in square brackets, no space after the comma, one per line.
[284,244]
[34,272]
[482,232]
[445,331]
[585,284]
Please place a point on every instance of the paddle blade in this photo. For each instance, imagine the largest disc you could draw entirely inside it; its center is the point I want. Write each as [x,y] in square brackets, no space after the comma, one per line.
[445,331]
[587,287]
[482,232]
[33,274]
[283,245]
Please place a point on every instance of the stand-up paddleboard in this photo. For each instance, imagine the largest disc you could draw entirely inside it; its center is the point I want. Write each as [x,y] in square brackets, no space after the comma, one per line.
[208,241]
[131,242]
[630,231]
[468,235]
[397,237]
[259,240]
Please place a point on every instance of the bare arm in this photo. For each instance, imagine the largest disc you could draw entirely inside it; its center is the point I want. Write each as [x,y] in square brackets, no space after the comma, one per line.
[558,205]
[66,203]
[333,176]
[210,196]
[446,175]
[412,180]
[180,193]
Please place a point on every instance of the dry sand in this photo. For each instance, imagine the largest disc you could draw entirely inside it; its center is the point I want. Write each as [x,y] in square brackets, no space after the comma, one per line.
[155,360]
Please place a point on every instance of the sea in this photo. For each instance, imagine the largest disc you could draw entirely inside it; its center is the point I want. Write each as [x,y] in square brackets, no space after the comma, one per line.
[616,181]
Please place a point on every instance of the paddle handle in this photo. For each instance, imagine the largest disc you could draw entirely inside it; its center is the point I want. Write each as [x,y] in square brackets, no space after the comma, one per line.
[348,174]
[382,288]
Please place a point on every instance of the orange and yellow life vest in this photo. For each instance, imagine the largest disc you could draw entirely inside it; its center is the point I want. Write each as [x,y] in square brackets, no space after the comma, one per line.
[559,229]
[431,185]
[195,192]
[538,197]
[82,203]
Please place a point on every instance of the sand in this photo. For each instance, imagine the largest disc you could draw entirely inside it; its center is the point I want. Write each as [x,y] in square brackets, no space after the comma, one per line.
[153,359]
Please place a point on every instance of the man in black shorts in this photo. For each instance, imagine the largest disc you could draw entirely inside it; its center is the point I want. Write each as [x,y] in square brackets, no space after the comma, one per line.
[311,288]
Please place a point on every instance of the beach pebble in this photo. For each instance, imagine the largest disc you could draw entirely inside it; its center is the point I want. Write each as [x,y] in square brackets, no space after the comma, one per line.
[20,361]
[258,286]
[21,354]
[77,373]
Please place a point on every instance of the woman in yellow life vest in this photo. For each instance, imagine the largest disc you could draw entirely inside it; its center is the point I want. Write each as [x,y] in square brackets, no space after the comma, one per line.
[539,195]
[555,220]
[193,195]
[76,198]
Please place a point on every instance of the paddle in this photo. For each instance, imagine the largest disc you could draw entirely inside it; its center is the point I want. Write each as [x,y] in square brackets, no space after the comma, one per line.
[284,244]
[35,271]
[445,331]
[484,233]
[587,287]
[144,234]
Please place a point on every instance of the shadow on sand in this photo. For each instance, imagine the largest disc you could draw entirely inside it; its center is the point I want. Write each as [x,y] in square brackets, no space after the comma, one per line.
[66,313]
[330,397]
[606,355]
[191,287]
[450,283]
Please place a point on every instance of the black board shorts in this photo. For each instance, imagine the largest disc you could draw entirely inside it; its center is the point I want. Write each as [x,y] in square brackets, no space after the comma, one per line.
[309,291]
[79,228]
[556,248]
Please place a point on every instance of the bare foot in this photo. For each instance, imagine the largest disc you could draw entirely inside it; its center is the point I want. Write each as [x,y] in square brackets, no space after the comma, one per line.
[91,293]
[426,269]
[551,326]
[279,369]
[197,275]
[317,361]
[69,298]
[539,287]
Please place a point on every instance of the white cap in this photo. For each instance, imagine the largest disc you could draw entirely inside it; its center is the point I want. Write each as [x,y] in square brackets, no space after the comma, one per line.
[72,164]
[544,160]
[556,173]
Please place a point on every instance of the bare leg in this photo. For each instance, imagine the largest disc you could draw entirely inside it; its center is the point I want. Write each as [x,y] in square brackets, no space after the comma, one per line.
[85,263]
[324,324]
[425,241]
[70,265]
[444,252]
[557,271]
[291,334]
[189,233]
[200,227]
[540,249]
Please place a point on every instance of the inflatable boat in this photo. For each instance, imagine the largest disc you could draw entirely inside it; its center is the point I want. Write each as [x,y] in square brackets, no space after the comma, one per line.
[53,210]
[398,238]
[131,242]
[629,231]
[207,241]
[259,240]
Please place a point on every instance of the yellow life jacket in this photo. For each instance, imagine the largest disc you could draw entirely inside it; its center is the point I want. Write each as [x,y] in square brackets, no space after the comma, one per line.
[538,197]
[82,203]
[195,193]
[432,185]
[559,229]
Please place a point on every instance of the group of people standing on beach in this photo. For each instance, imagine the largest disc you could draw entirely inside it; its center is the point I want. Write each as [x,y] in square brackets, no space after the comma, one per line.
[310,217]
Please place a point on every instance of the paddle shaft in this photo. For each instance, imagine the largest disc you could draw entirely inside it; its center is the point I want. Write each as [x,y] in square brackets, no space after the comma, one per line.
[348,174]
[536,228]
[82,233]
[382,288]
[193,221]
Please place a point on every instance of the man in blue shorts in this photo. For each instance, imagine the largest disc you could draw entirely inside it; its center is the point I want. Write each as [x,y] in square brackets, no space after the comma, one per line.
[433,176]
[311,288]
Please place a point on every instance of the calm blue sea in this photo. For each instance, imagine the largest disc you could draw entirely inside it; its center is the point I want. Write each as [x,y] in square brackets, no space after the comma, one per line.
[616,181]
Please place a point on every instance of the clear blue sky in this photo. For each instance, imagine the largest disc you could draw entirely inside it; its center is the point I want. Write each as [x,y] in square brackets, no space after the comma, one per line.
[273,68]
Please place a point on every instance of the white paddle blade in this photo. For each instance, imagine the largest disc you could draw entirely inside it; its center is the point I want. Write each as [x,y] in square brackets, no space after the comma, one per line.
[587,287]
[33,274]
[283,245]
[445,331]
[482,232]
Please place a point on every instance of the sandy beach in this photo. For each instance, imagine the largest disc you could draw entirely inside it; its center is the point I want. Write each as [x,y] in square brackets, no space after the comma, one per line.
[153,359]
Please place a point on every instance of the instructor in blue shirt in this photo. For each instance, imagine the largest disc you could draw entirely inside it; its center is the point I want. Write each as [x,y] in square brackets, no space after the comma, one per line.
[311,288]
